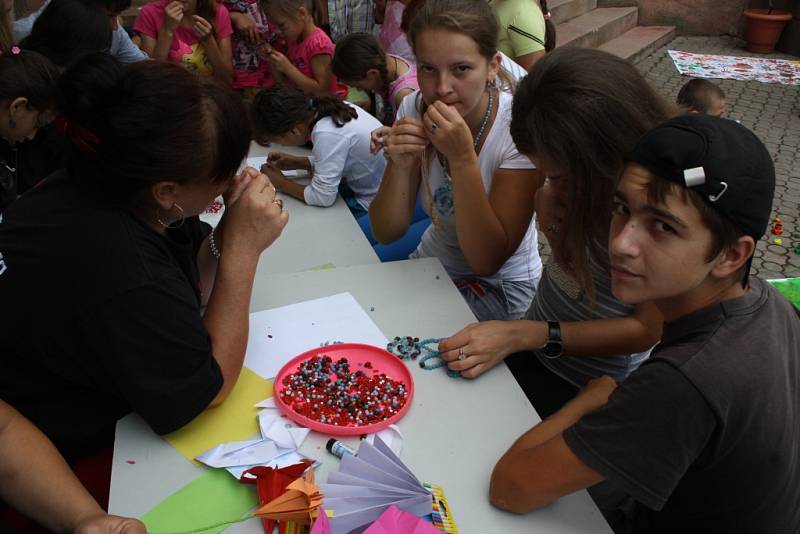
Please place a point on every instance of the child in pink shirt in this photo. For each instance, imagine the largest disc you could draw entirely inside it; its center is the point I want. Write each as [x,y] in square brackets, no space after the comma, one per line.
[359,61]
[252,32]
[307,63]
[193,33]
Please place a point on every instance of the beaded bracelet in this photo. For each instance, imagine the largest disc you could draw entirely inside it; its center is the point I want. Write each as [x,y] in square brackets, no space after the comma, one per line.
[212,245]
[409,347]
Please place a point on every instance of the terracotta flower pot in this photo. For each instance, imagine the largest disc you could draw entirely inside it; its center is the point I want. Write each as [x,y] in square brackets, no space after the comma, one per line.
[763,29]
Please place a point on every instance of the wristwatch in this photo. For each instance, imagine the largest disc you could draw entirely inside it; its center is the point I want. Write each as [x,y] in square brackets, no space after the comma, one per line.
[554,347]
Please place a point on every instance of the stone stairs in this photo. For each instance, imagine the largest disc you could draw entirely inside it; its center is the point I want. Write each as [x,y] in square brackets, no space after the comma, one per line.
[613,29]
[578,23]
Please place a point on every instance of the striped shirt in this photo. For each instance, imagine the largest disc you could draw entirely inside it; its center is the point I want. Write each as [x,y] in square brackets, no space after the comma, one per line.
[560,298]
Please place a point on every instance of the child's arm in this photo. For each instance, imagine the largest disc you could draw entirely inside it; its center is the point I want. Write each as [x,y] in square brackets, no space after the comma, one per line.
[158,48]
[245,26]
[58,500]
[489,342]
[539,467]
[218,51]
[320,67]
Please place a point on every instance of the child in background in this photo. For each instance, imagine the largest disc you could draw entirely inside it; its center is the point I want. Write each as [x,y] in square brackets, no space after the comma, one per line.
[28,89]
[360,61]
[702,96]
[252,33]
[192,33]
[340,133]
[307,63]
[526,31]
[392,37]
[451,145]
[705,435]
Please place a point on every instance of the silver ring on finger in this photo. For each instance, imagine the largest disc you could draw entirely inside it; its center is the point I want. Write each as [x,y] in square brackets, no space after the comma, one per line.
[279,202]
[461,355]
[434,126]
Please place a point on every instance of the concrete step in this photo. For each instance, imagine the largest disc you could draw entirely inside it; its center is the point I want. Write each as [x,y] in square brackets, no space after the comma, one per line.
[639,42]
[564,10]
[596,27]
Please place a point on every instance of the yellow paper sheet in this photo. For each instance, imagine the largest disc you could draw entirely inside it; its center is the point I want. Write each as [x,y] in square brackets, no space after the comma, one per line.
[233,420]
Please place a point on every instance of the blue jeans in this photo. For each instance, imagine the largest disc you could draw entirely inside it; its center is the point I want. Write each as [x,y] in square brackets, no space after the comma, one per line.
[403,247]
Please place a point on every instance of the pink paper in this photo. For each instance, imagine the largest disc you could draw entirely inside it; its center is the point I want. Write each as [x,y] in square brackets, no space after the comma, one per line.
[396,521]
[322,524]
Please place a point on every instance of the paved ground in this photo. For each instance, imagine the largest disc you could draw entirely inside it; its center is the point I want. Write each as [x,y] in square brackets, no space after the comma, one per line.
[772,111]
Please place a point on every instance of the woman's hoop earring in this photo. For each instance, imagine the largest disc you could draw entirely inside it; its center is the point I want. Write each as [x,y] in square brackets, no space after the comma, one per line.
[173,225]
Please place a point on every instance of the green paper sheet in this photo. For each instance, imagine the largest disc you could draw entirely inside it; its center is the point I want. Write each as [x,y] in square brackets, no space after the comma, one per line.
[212,498]
[789,288]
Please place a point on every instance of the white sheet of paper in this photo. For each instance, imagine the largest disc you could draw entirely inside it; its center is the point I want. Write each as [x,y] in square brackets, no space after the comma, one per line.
[258,161]
[278,335]
[251,452]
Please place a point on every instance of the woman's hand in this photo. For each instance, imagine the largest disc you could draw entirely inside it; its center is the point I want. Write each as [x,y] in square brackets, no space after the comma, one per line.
[283,161]
[173,15]
[480,346]
[448,132]
[377,139]
[202,29]
[550,205]
[275,175]
[256,218]
[244,26]
[405,142]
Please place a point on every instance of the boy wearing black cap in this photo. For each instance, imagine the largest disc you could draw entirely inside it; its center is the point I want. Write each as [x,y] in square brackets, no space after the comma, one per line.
[705,435]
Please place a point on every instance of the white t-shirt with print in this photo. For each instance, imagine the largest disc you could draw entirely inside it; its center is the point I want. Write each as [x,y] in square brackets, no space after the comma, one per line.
[441,240]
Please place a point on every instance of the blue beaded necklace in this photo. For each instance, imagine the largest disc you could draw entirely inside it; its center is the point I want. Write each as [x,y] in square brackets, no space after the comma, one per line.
[408,348]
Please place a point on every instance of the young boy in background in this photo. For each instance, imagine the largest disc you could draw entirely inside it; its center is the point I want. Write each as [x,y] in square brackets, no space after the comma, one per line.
[702,96]
[705,435]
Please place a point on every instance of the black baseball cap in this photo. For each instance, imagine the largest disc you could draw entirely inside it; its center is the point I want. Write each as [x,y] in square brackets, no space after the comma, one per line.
[718,158]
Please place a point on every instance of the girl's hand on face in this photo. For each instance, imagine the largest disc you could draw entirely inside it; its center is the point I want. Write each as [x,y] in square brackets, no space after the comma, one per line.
[256,219]
[201,28]
[550,206]
[446,129]
[173,15]
[406,141]
[377,139]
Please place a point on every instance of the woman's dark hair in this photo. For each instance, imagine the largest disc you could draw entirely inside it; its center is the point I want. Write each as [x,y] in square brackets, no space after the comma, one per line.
[355,54]
[151,121]
[584,110]
[69,29]
[30,75]
[549,27]
[6,33]
[275,111]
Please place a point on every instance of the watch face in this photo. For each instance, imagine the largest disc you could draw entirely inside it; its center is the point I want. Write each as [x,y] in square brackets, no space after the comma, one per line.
[552,349]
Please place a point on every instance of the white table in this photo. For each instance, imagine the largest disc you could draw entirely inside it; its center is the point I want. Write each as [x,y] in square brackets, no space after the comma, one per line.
[314,236]
[454,432]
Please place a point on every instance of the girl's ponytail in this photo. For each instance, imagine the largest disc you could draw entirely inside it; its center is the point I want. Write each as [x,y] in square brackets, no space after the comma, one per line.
[275,111]
[549,28]
[330,106]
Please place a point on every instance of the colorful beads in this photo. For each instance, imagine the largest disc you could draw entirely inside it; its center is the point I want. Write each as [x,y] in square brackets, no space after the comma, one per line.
[329,392]
[411,347]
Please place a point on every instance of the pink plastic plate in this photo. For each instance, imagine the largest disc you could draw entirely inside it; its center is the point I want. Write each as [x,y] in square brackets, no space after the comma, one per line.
[357,354]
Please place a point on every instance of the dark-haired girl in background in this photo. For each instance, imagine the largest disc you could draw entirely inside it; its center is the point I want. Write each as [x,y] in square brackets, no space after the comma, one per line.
[341,136]
[28,86]
[104,267]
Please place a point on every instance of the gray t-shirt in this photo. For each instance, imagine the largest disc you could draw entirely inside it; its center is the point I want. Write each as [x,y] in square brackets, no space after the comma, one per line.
[560,298]
[705,435]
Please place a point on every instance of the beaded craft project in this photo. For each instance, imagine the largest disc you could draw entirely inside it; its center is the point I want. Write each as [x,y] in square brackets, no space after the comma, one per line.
[411,348]
[330,393]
